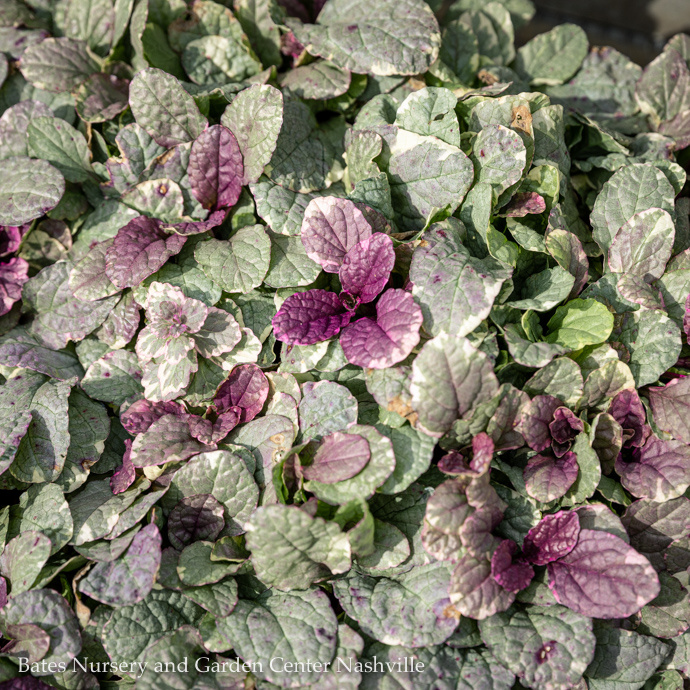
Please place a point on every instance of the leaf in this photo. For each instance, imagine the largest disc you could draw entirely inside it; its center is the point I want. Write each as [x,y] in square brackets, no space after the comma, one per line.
[139,249]
[42,452]
[59,316]
[34,188]
[499,157]
[543,291]
[291,550]
[195,518]
[23,558]
[449,377]
[660,470]
[330,229]
[603,577]
[412,610]
[166,440]
[129,579]
[290,266]
[552,57]
[390,39]
[114,378]
[580,322]
[61,145]
[389,339]
[131,629]
[548,478]
[431,112]
[215,168]
[669,407]
[224,476]
[630,190]
[295,625]
[326,407]
[50,612]
[88,281]
[58,64]
[653,341]
[643,245]
[303,155]
[548,647]
[426,175]
[238,265]
[255,117]
[365,483]
[20,349]
[624,657]
[340,456]
[164,109]
[554,536]
[455,290]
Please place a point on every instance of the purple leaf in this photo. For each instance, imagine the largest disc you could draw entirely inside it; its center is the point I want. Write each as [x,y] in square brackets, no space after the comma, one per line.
[139,250]
[513,574]
[523,204]
[671,407]
[196,227]
[367,267]
[141,414]
[125,474]
[603,577]
[474,592]
[627,409]
[13,275]
[331,227]
[483,452]
[195,518]
[565,425]
[129,579]
[686,319]
[388,340]
[535,419]
[215,168]
[548,478]
[309,317]
[245,388]
[660,470]
[552,538]
[11,237]
[339,457]
[454,462]
[3,592]
[209,432]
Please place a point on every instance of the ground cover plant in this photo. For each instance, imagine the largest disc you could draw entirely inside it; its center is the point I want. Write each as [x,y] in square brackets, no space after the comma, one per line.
[344,333]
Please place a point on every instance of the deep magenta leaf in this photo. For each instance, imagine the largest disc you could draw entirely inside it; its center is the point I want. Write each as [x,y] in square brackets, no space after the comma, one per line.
[603,577]
[309,317]
[552,538]
[509,569]
[367,267]
[215,168]
[339,457]
[388,340]
[245,388]
[140,248]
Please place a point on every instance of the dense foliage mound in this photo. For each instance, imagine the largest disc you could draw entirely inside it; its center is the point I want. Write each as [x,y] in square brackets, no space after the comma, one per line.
[344,340]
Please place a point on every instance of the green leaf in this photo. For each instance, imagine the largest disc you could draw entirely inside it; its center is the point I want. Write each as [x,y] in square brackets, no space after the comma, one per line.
[291,550]
[547,647]
[23,558]
[553,57]
[255,117]
[33,188]
[409,610]
[294,626]
[543,291]
[390,39]
[164,109]
[580,322]
[239,264]
[42,452]
[59,143]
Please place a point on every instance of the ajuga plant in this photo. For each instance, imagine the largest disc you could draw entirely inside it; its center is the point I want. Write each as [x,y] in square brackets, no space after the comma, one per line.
[343,345]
